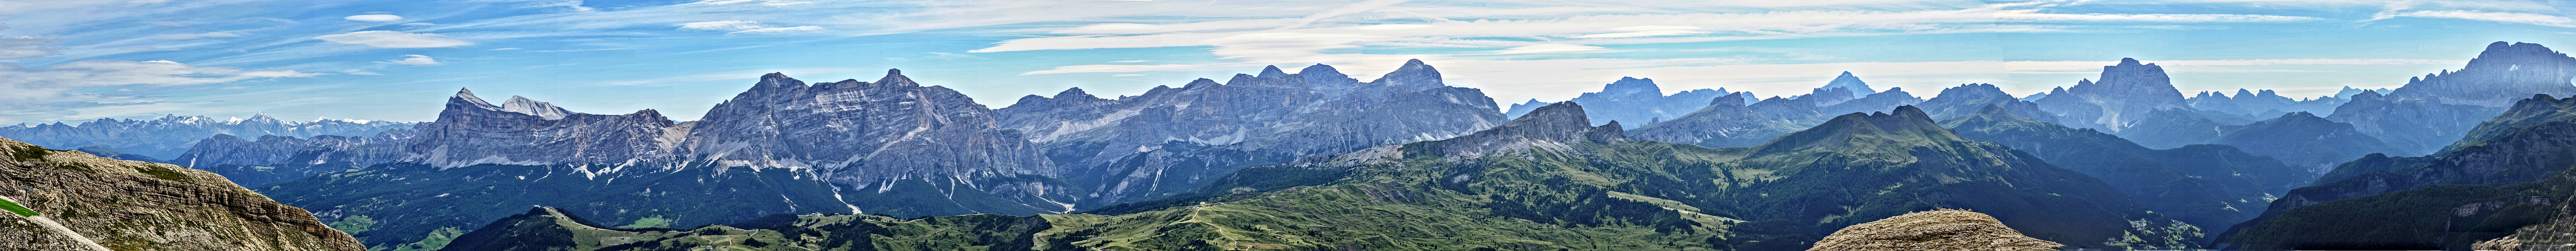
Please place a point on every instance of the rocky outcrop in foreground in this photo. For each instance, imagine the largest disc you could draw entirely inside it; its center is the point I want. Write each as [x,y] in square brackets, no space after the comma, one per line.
[135,205]
[1932,230]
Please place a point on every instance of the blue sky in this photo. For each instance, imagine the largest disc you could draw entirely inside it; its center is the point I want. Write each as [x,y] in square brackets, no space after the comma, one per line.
[398,60]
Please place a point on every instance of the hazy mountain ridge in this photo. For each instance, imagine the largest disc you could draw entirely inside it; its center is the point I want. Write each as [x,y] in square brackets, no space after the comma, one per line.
[2205,185]
[1172,140]
[171,135]
[1637,102]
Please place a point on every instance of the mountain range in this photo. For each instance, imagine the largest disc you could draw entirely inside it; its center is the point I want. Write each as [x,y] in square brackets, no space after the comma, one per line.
[1318,159]
[171,135]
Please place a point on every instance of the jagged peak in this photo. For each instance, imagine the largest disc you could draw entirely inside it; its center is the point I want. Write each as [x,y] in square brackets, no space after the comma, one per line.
[2128,62]
[1629,85]
[894,77]
[263,116]
[1556,124]
[1611,132]
[776,80]
[466,98]
[533,107]
[1077,92]
[1731,99]
[1851,83]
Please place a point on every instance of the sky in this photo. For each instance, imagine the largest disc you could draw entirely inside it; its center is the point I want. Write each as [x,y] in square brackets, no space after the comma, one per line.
[80,60]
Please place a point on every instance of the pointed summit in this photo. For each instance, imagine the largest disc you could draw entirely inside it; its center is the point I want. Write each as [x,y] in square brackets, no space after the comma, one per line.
[1272,71]
[465,99]
[894,77]
[2128,62]
[1851,83]
[1077,92]
[1414,75]
[775,80]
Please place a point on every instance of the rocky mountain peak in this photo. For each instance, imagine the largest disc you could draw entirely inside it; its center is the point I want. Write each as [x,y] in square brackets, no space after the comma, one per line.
[1321,73]
[533,107]
[775,80]
[895,78]
[1077,92]
[1272,71]
[465,97]
[1414,75]
[1851,83]
[2501,74]
[1556,124]
[1731,99]
[1612,132]
[2130,73]
[1632,86]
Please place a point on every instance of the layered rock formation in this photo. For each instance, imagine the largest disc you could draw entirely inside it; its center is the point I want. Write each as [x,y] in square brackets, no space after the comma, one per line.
[2413,125]
[1172,140]
[2438,109]
[134,205]
[2504,72]
[1933,230]
[471,131]
[2126,93]
[880,136]
[169,136]
[280,158]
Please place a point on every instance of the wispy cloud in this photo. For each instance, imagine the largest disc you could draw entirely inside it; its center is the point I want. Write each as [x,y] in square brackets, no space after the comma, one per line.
[374,18]
[414,60]
[26,47]
[748,27]
[2504,17]
[1549,48]
[395,39]
[51,90]
[197,35]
